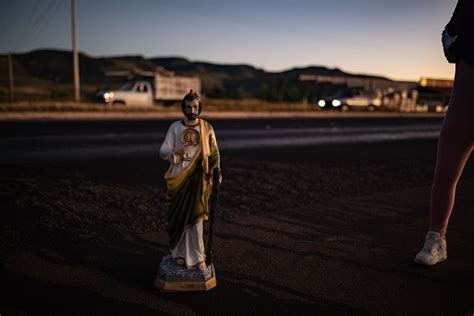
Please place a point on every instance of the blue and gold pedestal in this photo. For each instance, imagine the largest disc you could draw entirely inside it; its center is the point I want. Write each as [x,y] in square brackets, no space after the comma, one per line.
[172,277]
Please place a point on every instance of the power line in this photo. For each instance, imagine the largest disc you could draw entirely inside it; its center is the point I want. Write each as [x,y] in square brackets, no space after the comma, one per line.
[45,25]
[39,19]
[27,26]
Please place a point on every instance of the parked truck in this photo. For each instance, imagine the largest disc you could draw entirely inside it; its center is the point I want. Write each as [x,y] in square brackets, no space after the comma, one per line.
[160,89]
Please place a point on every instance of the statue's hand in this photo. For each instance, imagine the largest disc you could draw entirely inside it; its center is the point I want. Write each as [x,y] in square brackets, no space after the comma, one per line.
[216,176]
[179,152]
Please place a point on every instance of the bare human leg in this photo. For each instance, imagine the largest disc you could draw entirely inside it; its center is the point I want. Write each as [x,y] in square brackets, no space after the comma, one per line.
[455,145]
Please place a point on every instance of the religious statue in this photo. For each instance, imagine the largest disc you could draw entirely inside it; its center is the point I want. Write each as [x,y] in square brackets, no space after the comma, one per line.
[190,146]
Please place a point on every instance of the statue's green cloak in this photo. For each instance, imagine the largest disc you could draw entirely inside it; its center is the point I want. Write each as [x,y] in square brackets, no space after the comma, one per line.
[189,191]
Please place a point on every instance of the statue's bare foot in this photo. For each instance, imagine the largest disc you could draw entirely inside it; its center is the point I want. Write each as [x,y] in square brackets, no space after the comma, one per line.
[202,266]
[179,261]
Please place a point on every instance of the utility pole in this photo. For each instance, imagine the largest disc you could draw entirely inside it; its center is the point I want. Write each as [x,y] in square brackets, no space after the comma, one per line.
[77,90]
[10,77]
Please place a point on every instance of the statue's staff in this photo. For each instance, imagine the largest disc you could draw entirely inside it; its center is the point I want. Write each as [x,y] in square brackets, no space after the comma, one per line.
[216,178]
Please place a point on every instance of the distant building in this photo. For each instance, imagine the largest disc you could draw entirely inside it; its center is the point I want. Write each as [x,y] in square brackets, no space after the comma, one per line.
[436,83]
[434,93]
[365,83]
[431,94]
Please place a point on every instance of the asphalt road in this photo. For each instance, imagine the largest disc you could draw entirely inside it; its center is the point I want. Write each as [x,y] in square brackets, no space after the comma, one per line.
[328,227]
[33,141]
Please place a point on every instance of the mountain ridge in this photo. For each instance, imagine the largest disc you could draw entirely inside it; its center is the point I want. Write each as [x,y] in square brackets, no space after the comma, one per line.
[52,69]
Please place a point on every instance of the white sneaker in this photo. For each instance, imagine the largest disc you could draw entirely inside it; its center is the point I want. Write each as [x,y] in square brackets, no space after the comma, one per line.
[433,251]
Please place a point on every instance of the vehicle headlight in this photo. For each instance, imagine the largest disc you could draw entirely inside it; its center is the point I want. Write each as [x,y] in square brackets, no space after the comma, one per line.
[336,103]
[321,103]
[108,96]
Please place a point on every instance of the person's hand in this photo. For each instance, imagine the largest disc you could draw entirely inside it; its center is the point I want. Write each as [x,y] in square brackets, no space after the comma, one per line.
[447,41]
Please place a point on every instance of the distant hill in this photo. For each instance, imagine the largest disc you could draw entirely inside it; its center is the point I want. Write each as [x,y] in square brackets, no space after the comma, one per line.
[48,74]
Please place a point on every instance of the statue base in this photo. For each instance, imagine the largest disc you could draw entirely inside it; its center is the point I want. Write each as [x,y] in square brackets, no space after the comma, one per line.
[172,277]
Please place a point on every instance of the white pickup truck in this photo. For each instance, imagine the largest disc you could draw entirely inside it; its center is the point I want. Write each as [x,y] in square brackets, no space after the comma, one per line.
[161,89]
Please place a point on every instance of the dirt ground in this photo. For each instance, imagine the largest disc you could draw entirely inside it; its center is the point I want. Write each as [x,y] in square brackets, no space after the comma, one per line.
[329,229]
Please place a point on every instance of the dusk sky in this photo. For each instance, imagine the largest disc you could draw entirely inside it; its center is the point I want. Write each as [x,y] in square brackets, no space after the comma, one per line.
[397,39]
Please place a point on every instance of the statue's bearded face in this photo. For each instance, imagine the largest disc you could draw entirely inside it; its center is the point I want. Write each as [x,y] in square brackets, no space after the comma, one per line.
[191,109]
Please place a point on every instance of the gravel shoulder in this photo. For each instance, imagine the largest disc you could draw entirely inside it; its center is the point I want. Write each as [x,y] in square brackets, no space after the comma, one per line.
[329,229]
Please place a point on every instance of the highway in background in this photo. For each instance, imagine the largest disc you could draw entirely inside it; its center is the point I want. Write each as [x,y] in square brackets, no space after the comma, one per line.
[30,141]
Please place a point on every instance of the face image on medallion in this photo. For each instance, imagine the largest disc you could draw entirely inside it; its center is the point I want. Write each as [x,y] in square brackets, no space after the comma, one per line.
[190,137]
